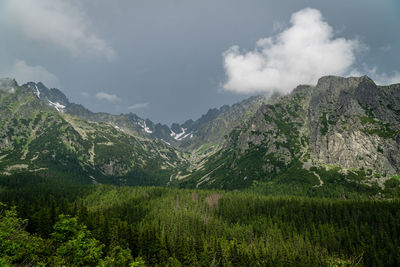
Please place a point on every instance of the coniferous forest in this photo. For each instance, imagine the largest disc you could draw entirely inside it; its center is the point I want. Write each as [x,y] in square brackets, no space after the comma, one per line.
[50,222]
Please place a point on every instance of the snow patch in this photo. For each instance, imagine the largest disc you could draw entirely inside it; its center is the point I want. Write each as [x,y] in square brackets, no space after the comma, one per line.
[118,128]
[37,92]
[166,142]
[186,135]
[57,106]
[180,136]
[144,126]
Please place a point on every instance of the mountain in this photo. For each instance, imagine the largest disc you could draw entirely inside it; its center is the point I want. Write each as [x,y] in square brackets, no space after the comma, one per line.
[208,130]
[40,135]
[343,131]
[57,100]
[339,137]
[42,131]
[204,134]
[211,128]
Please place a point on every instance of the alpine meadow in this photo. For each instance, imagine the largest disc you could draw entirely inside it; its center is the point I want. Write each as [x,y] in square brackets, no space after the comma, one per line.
[295,163]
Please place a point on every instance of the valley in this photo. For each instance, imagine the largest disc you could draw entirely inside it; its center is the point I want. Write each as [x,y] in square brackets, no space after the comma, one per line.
[333,136]
[199,133]
[308,179]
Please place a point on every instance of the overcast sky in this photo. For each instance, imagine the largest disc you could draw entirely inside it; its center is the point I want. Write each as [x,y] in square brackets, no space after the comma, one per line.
[172,60]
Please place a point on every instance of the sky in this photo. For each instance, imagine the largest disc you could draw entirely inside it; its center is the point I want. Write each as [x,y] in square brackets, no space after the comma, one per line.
[172,60]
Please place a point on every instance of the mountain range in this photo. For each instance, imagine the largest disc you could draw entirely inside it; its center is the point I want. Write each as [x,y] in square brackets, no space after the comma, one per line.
[339,136]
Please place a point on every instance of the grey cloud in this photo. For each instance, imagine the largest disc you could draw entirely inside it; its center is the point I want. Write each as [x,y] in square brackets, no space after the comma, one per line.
[24,73]
[55,22]
[107,97]
[138,106]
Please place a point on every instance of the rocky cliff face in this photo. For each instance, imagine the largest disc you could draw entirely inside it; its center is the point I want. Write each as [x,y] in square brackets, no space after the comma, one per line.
[353,126]
[350,125]
[211,128]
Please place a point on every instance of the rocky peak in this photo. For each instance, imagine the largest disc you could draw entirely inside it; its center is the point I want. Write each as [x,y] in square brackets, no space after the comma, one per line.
[333,93]
[347,124]
[52,95]
[8,85]
[352,126]
[176,127]
[331,82]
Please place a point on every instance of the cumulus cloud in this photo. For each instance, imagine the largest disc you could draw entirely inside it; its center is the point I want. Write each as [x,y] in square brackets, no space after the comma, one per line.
[24,73]
[55,22]
[139,106]
[300,54]
[107,97]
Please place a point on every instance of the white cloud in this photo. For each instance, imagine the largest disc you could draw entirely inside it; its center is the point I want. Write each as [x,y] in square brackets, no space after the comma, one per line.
[107,97]
[299,54]
[139,106]
[24,73]
[55,22]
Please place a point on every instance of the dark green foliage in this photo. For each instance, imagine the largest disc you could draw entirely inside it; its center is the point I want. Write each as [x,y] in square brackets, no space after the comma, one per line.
[179,227]
[197,228]
[70,244]
[392,187]
[383,131]
[74,245]
[17,246]
[374,126]
[396,111]
[324,124]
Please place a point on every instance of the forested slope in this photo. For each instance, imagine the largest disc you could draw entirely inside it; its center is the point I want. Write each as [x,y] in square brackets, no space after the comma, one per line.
[174,227]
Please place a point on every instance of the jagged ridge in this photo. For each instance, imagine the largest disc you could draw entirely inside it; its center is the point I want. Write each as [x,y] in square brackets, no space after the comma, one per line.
[342,130]
[342,134]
